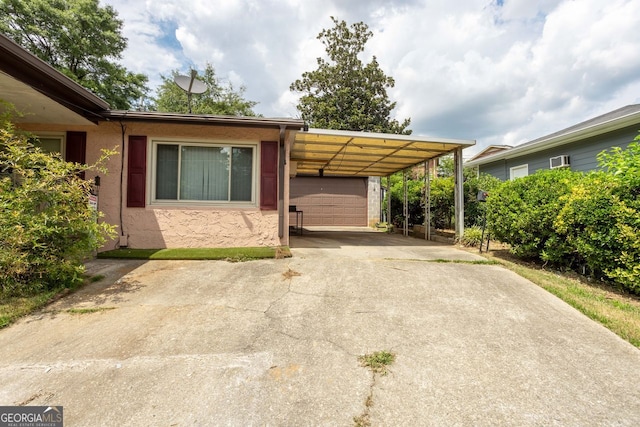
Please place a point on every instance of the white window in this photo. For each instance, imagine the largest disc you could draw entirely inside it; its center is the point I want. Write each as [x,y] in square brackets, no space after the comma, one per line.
[199,172]
[518,171]
[50,143]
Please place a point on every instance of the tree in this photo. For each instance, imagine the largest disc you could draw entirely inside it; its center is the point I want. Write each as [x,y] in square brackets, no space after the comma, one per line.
[79,38]
[343,93]
[217,99]
[47,227]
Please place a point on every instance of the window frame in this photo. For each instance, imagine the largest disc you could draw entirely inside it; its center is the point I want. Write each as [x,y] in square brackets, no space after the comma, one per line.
[55,135]
[523,166]
[180,142]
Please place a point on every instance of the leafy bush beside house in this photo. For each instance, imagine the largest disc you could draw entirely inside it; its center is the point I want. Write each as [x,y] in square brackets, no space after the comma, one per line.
[601,218]
[586,222]
[522,213]
[46,225]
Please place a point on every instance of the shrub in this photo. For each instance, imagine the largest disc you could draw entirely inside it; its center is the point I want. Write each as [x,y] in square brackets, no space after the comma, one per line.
[601,218]
[473,210]
[472,236]
[415,192]
[46,224]
[442,203]
[522,213]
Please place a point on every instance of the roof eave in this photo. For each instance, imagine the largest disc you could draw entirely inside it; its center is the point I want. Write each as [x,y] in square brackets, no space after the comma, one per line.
[599,129]
[31,70]
[212,120]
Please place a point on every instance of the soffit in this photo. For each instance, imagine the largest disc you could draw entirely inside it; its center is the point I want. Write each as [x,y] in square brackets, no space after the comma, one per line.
[348,153]
[36,107]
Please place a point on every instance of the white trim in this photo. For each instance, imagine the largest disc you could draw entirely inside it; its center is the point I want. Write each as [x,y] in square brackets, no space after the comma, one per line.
[516,169]
[570,136]
[151,172]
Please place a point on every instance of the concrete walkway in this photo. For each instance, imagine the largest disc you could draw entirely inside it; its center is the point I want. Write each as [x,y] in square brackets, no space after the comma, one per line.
[276,342]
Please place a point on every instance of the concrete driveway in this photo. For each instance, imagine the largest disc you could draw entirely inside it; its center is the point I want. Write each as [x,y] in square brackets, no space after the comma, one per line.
[276,342]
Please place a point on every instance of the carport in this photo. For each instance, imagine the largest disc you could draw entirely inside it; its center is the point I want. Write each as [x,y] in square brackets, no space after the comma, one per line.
[334,153]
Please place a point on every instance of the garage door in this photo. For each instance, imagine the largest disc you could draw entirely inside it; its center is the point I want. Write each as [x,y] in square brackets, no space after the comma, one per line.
[330,201]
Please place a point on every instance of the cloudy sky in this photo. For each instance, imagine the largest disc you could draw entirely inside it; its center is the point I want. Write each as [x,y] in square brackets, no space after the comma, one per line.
[497,71]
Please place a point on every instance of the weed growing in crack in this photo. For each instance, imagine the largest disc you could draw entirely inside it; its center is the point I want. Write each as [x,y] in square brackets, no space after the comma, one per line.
[96,278]
[377,361]
[89,310]
[362,421]
[289,274]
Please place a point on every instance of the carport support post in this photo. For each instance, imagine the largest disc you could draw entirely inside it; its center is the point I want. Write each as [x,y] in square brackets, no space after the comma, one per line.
[389,222]
[459,192]
[427,200]
[405,204]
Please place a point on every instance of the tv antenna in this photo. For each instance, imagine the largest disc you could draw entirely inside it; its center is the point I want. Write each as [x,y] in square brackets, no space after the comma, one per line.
[191,85]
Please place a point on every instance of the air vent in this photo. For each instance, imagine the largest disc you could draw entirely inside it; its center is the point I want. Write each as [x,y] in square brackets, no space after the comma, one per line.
[559,162]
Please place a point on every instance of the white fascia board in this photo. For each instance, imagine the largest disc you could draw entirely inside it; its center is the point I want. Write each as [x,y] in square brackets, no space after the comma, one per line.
[524,149]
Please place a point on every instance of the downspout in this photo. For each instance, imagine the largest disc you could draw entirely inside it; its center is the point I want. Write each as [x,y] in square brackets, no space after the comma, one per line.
[123,127]
[281,163]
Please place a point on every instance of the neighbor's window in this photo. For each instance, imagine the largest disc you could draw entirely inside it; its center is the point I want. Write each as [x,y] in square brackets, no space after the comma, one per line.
[518,171]
[204,172]
[49,143]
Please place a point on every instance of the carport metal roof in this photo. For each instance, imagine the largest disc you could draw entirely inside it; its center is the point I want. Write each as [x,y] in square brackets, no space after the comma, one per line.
[349,153]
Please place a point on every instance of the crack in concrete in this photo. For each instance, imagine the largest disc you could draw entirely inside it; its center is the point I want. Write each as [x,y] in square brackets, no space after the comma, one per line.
[364,419]
[274,327]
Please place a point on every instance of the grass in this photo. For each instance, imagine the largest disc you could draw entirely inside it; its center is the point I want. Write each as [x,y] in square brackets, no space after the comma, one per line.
[12,308]
[227,254]
[444,261]
[377,361]
[89,310]
[616,310]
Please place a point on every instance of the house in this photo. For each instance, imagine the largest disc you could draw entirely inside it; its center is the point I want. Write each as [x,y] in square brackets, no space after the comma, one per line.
[186,180]
[575,147]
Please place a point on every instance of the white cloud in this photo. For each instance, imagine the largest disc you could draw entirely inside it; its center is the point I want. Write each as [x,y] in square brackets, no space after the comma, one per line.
[496,71]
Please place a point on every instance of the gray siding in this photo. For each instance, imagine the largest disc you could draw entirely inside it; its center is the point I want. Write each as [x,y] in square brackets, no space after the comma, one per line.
[498,169]
[582,154]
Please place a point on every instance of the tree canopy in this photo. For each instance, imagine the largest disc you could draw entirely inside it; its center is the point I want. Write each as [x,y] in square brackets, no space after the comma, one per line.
[343,93]
[81,39]
[218,99]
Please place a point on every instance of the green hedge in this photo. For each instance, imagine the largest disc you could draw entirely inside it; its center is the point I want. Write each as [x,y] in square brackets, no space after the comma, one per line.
[601,218]
[521,213]
[589,222]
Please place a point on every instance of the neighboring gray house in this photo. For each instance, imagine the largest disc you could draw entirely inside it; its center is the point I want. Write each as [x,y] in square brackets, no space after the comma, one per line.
[575,147]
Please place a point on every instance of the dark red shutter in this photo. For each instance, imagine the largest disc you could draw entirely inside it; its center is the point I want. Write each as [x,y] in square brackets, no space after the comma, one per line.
[76,148]
[269,175]
[136,171]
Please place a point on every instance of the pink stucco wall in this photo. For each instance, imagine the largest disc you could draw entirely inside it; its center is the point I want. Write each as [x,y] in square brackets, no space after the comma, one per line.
[171,227]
